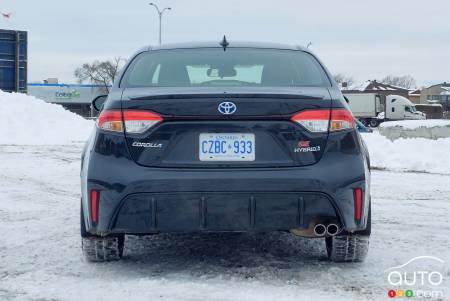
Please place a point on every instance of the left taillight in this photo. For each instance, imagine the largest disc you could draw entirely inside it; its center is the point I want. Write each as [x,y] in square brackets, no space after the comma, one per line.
[320,121]
[134,122]
[110,121]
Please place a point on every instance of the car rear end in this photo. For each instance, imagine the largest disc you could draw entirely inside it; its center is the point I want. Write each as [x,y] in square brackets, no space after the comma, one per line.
[242,139]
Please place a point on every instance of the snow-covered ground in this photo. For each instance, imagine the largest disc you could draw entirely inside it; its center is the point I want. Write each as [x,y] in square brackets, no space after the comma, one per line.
[40,257]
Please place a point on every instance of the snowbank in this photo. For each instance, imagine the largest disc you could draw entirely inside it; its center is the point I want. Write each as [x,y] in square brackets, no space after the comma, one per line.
[27,120]
[414,124]
[429,129]
[413,154]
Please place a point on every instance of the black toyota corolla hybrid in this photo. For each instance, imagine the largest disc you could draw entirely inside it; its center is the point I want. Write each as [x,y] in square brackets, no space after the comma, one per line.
[236,137]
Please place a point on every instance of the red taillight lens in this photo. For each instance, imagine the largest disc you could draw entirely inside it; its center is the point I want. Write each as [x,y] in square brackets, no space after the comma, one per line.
[320,121]
[313,120]
[357,196]
[128,121]
[95,197]
[341,119]
[140,121]
[110,121]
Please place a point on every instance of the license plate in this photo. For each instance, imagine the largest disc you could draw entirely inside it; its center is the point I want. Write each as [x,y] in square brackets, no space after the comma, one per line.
[227,147]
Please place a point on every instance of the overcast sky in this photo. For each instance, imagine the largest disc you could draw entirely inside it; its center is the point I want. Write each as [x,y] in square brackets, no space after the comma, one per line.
[362,38]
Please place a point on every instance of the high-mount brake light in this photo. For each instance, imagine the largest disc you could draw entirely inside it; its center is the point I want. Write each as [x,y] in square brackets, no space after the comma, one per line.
[134,122]
[320,121]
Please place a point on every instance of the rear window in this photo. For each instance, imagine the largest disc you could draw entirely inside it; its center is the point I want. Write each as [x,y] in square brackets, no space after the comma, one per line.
[235,67]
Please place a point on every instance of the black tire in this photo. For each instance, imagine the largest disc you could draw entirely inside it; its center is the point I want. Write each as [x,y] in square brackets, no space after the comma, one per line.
[347,248]
[373,123]
[97,248]
[350,247]
[100,249]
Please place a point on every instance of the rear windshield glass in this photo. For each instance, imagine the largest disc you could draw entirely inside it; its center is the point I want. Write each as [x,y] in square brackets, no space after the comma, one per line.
[235,67]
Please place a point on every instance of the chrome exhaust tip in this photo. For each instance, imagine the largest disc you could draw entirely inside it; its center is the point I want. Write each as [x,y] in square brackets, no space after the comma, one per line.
[332,229]
[320,230]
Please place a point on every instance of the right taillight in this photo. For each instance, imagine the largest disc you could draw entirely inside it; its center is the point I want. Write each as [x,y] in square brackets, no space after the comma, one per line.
[320,121]
[341,119]
[130,121]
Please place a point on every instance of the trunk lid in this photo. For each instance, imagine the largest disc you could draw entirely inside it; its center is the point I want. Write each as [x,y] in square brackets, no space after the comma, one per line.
[192,124]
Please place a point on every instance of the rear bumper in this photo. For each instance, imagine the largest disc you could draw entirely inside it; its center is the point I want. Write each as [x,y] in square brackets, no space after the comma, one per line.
[141,200]
[219,211]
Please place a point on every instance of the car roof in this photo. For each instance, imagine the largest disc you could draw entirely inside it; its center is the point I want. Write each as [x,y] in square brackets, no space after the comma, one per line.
[262,45]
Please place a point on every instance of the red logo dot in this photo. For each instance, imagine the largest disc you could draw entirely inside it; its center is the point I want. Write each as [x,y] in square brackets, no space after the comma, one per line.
[391,293]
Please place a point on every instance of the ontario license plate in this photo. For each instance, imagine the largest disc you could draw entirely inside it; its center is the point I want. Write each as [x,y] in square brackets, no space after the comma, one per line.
[227,147]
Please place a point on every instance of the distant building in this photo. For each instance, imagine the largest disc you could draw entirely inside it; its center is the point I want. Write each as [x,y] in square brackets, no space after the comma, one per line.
[382,89]
[438,94]
[74,97]
[414,96]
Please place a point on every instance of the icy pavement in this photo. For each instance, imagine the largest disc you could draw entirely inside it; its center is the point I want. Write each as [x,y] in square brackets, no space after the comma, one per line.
[40,257]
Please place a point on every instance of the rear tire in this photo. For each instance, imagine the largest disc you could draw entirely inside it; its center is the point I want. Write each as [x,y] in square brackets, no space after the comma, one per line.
[350,247]
[97,248]
[374,123]
[100,249]
[347,248]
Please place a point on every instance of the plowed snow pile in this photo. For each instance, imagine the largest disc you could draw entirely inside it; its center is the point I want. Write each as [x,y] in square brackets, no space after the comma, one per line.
[415,124]
[27,120]
[410,154]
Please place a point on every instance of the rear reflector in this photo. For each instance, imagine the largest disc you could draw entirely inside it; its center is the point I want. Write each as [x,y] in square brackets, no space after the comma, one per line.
[357,196]
[128,121]
[320,121]
[95,196]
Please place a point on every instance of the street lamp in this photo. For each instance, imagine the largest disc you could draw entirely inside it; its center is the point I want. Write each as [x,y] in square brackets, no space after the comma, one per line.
[160,14]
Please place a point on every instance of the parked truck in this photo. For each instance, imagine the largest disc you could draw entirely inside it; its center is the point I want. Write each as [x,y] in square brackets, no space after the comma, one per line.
[13,60]
[371,109]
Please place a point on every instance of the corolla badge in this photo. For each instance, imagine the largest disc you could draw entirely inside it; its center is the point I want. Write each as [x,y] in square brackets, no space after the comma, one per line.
[227,108]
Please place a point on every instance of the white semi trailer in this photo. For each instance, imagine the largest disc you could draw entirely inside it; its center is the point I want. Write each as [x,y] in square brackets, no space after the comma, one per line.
[371,109]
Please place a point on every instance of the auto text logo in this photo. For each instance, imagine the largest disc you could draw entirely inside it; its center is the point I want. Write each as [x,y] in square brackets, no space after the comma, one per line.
[421,277]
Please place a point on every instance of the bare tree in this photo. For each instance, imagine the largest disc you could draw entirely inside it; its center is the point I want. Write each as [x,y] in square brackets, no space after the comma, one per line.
[99,72]
[344,80]
[405,81]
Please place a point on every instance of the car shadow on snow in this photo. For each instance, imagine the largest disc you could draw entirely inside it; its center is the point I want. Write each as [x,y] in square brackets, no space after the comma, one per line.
[256,256]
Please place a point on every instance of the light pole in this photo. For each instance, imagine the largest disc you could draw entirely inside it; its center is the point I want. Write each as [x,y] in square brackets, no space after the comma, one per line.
[160,14]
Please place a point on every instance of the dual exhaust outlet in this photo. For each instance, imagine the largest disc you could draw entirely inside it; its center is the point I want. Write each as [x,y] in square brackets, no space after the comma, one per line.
[329,230]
